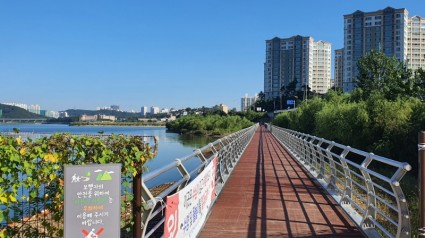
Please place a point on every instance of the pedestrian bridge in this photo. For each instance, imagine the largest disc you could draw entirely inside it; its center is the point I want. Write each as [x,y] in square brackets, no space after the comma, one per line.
[266,181]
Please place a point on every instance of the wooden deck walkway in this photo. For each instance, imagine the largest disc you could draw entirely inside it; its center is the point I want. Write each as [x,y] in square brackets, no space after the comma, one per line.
[270,195]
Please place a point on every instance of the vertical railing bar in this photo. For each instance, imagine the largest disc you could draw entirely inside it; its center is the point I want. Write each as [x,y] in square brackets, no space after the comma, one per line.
[370,195]
[421,162]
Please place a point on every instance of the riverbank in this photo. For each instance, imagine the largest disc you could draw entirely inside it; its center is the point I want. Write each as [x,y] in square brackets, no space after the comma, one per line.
[140,124]
[211,125]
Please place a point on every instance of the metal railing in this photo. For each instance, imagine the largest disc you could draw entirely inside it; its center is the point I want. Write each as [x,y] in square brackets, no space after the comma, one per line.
[228,150]
[366,185]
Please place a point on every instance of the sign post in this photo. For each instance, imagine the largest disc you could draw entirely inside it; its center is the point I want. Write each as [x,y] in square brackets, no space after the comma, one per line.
[290,102]
[92,201]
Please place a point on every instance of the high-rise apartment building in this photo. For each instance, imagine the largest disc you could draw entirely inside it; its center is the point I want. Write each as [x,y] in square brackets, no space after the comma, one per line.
[339,68]
[384,30]
[296,58]
[154,110]
[247,102]
[287,59]
[144,110]
[416,43]
[321,78]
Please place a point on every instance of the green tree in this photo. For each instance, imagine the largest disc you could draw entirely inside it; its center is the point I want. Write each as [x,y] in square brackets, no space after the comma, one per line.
[418,84]
[291,88]
[346,123]
[385,75]
[266,105]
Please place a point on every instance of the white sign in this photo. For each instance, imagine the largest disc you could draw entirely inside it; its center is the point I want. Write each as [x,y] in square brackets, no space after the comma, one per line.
[187,209]
[92,201]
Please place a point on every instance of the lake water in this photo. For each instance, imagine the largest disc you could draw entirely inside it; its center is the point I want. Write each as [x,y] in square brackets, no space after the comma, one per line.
[171,145]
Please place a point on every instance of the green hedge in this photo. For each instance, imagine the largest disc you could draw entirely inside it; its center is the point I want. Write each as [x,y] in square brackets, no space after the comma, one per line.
[210,125]
[387,128]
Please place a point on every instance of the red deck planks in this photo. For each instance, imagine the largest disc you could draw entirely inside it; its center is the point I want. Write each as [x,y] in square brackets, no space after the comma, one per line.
[270,195]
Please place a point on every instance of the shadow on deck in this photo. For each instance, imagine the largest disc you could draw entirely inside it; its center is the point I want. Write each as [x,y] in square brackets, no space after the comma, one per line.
[270,195]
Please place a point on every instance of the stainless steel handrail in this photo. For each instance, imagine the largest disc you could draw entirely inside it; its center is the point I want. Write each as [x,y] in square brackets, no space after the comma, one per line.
[228,150]
[375,201]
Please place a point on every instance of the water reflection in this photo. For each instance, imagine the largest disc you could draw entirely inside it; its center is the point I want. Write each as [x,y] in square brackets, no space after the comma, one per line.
[194,141]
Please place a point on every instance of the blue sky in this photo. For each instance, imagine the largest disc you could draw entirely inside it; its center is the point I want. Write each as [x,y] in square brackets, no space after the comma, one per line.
[168,53]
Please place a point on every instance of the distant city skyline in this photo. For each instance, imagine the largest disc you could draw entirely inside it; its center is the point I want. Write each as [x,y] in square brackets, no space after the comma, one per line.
[84,54]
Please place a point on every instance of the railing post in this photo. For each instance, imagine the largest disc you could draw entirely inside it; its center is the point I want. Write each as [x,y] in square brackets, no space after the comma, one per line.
[182,169]
[404,228]
[332,178]
[421,157]
[370,212]
[321,173]
[348,181]
[137,205]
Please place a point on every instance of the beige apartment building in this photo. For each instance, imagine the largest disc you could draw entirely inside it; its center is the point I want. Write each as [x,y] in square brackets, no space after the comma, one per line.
[416,43]
[321,80]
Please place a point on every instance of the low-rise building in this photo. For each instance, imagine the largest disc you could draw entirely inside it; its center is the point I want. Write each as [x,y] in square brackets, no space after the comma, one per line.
[85,117]
[106,118]
[224,108]
[97,118]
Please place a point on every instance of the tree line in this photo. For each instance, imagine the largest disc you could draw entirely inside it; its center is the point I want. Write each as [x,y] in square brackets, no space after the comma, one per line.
[208,125]
[214,124]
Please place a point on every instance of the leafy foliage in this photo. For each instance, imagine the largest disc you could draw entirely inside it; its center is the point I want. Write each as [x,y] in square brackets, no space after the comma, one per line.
[379,74]
[36,164]
[343,122]
[303,117]
[211,124]
[384,127]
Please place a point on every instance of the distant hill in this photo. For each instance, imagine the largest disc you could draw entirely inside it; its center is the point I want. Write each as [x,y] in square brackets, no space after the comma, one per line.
[17,112]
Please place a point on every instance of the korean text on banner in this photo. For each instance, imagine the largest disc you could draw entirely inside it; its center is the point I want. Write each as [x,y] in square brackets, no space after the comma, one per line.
[187,209]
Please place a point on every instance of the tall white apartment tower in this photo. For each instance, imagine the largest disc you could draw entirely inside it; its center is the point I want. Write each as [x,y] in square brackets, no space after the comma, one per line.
[416,43]
[384,30]
[154,110]
[321,78]
[247,102]
[144,110]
